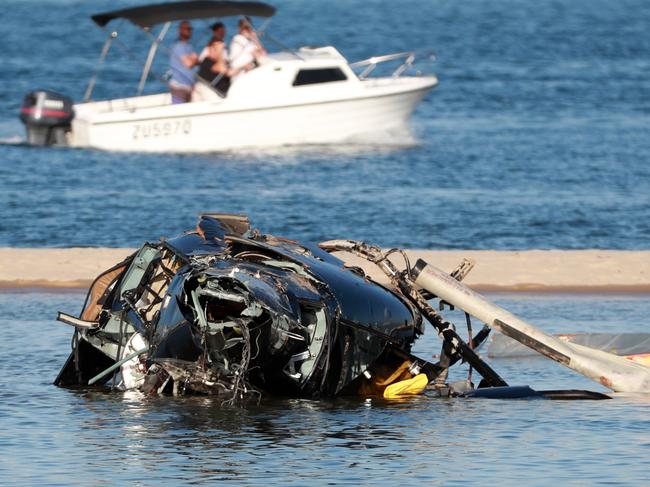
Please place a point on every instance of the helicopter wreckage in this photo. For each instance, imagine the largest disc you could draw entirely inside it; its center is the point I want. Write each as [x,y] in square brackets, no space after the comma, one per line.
[226,311]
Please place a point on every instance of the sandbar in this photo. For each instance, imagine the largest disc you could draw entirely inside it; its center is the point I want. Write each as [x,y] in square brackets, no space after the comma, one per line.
[494,271]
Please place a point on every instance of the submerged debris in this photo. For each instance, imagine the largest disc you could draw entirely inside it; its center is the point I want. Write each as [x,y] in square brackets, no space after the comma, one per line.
[226,311]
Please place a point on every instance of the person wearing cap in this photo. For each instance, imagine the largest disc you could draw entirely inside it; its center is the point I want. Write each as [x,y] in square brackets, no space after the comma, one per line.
[182,60]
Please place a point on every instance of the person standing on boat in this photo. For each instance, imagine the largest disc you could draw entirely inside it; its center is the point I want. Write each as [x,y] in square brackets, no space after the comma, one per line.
[182,60]
[213,60]
[245,48]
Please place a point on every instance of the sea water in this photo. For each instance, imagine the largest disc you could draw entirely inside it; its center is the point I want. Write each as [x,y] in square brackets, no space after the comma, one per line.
[53,436]
[538,136]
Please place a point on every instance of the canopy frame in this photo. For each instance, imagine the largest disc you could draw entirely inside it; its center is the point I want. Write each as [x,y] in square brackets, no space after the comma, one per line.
[148,16]
[152,54]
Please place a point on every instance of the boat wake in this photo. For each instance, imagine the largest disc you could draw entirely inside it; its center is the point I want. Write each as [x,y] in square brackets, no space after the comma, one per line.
[377,142]
[13,140]
[399,138]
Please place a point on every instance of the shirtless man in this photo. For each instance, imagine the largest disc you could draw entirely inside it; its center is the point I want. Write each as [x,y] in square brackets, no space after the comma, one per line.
[182,60]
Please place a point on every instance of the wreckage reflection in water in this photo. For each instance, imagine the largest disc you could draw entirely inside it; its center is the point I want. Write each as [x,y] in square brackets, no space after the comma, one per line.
[56,436]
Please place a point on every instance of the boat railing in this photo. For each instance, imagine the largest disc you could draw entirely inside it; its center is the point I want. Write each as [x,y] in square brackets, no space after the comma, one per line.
[372,62]
[408,56]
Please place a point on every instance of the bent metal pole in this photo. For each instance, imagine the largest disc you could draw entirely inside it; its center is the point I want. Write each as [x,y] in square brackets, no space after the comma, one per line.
[614,372]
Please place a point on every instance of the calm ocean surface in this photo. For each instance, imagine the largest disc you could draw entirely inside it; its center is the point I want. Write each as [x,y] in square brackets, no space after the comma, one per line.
[53,436]
[537,137]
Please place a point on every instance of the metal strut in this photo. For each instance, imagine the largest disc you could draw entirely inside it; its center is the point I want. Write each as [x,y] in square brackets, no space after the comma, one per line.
[454,343]
[151,56]
[102,57]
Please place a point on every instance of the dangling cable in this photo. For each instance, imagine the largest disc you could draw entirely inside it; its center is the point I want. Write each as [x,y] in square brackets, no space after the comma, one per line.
[75,348]
[119,348]
[470,342]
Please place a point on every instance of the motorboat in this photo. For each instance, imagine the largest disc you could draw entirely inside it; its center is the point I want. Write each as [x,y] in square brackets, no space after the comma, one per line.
[311,95]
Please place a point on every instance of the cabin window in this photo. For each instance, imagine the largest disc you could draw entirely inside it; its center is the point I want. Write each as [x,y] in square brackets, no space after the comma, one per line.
[321,75]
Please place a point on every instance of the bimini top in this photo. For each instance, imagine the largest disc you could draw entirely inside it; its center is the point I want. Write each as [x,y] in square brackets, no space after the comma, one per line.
[150,15]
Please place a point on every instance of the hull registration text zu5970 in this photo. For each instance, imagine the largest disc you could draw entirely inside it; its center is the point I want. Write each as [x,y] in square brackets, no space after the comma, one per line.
[162,129]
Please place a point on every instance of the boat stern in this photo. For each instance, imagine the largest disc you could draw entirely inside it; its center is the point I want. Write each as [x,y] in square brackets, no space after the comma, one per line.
[47,117]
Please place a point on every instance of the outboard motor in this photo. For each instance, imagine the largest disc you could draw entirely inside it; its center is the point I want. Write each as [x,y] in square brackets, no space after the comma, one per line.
[47,116]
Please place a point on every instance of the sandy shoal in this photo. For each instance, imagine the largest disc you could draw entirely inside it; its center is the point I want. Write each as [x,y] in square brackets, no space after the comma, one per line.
[530,270]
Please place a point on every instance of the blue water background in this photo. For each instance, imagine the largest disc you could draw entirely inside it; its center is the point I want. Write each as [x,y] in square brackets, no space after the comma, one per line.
[53,436]
[538,135]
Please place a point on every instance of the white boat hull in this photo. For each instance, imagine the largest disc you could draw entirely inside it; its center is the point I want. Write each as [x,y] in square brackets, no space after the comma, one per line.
[214,126]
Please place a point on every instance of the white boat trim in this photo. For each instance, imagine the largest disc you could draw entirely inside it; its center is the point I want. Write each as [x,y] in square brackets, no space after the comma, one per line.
[273,107]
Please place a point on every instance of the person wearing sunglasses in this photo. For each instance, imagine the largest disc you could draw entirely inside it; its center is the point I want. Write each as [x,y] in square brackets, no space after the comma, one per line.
[182,60]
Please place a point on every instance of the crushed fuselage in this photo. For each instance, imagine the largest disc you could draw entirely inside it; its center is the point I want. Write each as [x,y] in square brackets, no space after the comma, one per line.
[228,312]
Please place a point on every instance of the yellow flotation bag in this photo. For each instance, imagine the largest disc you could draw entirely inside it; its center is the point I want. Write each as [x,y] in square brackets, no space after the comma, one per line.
[407,387]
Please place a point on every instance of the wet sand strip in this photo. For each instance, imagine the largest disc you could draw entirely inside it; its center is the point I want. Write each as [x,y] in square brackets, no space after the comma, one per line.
[509,271]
